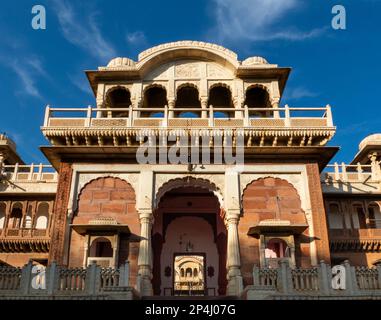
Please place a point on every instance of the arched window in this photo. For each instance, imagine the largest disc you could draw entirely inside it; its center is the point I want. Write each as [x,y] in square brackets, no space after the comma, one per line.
[188,97]
[16,216]
[28,218]
[118,98]
[335,218]
[221,97]
[101,248]
[188,273]
[154,97]
[257,98]
[42,216]
[182,273]
[374,215]
[361,217]
[195,273]
[2,215]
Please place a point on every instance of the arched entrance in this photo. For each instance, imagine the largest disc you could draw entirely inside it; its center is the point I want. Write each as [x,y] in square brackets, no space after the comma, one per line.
[189,243]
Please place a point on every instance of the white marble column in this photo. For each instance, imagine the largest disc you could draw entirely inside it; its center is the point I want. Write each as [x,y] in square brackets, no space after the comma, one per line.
[171,105]
[235,283]
[145,253]
[204,107]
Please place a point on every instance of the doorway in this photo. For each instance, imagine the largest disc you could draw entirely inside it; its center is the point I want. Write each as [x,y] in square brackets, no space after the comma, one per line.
[189,274]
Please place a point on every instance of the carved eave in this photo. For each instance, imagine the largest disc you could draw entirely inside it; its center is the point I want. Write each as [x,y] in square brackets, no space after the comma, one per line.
[362,155]
[280,74]
[276,227]
[371,245]
[8,148]
[25,245]
[88,228]
[96,76]
[125,154]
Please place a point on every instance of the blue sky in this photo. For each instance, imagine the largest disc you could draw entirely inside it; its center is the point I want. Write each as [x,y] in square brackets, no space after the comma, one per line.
[42,67]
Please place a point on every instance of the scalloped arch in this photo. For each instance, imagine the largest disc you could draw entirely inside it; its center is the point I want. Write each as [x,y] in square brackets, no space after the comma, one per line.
[275,178]
[99,178]
[188,182]
[221,84]
[187,84]
[258,85]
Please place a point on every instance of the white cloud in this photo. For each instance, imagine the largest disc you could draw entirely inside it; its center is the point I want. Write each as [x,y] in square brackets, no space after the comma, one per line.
[256,20]
[83,33]
[27,80]
[299,93]
[27,69]
[136,38]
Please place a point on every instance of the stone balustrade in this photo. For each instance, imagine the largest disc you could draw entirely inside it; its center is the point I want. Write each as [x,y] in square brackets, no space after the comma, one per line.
[30,173]
[350,173]
[57,282]
[285,126]
[320,282]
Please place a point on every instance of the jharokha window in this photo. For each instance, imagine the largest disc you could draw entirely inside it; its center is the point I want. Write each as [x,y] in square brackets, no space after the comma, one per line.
[2,215]
[118,98]
[188,98]
[15,217]
[361,217]
[258,98]
[154,97]
[221,97]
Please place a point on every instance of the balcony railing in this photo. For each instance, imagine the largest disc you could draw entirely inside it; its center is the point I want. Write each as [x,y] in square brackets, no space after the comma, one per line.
[91,117]
[350,173]
[30,173]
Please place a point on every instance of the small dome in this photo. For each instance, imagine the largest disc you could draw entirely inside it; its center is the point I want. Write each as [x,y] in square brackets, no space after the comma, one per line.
[254,61]
[121,62]
[374,139]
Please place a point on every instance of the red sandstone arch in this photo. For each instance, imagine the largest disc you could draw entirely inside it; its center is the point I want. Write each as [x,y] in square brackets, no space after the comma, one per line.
[107,197]
[263,199]
[265,196]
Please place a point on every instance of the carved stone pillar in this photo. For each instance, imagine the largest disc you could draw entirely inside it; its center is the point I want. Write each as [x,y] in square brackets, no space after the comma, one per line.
[235,283]
[275,105]
[145,253]
[204,107]
[375,166]
[57,246]
[171,105]
[237,105]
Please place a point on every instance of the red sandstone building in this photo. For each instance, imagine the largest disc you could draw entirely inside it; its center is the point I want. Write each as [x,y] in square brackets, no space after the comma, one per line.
[191,228]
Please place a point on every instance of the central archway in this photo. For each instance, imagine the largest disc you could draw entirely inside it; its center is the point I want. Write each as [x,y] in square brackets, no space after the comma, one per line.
[189,222]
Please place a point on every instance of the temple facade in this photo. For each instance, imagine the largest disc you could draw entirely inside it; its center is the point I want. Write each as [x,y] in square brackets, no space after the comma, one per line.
[199,224]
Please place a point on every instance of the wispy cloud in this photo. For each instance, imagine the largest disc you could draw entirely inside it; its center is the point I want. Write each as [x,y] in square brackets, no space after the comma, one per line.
[299,93]
[27,79]
[137,41]
[256,20]
[27,66]
[82,32]
[27,69]
[136,38]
